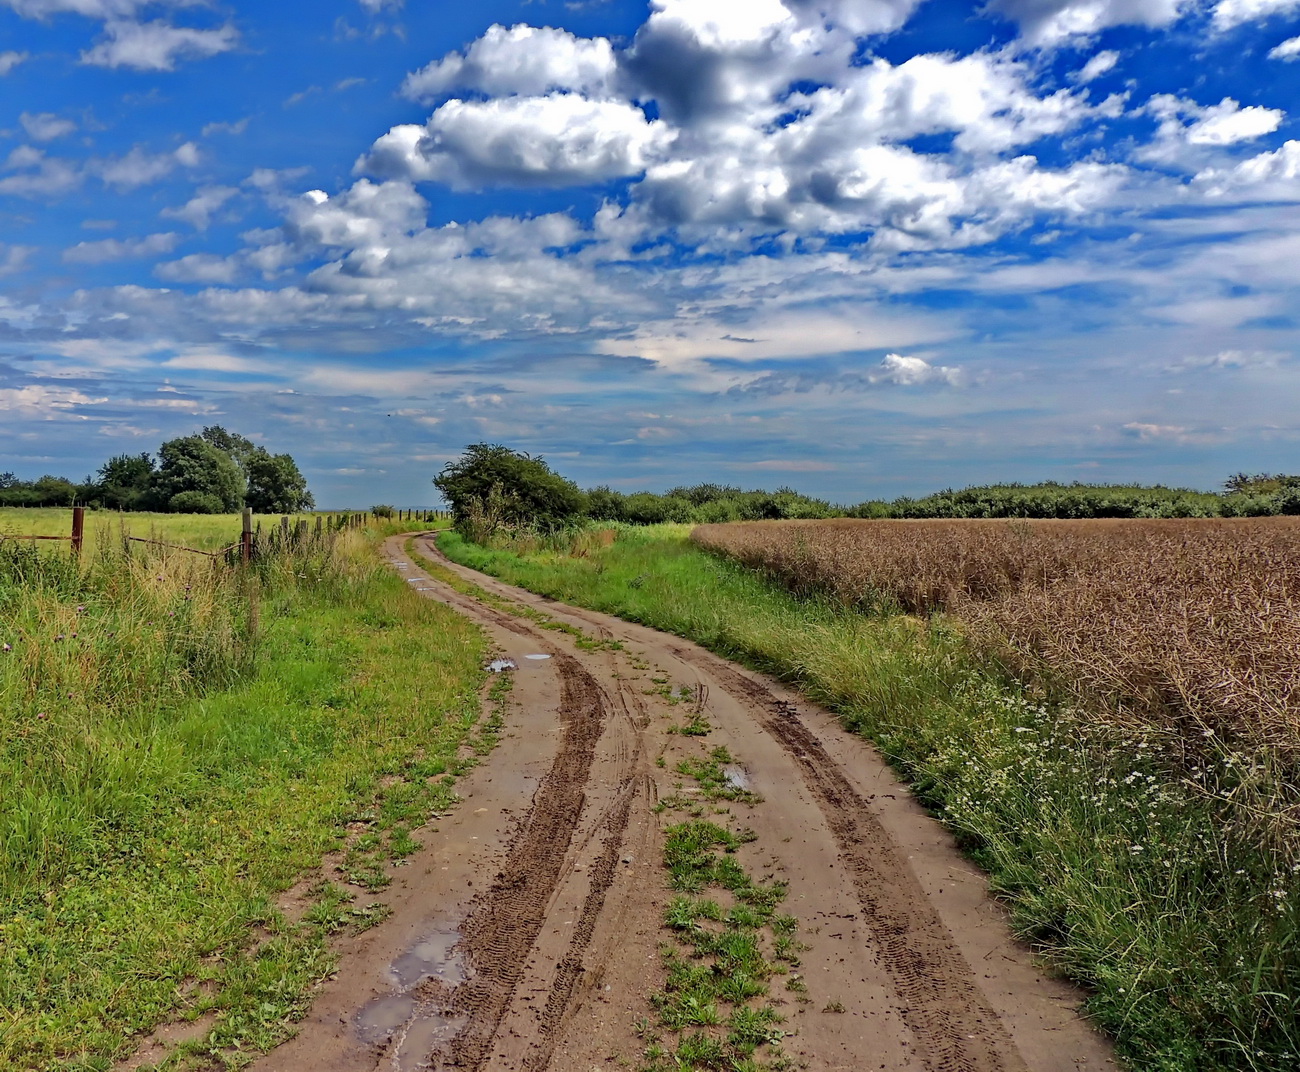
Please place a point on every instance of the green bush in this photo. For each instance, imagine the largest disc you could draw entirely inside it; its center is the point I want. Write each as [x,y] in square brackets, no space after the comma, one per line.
[195,502]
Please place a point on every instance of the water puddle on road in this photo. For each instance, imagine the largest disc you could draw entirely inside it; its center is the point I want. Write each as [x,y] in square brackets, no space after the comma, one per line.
[432,957]
[414,1020]
[381,1019]
[737,777]
[424,1038]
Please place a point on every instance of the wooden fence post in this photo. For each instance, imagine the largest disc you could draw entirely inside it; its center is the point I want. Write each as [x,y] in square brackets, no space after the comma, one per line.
[318,526]
[246,538]
[300,536]
[78,528]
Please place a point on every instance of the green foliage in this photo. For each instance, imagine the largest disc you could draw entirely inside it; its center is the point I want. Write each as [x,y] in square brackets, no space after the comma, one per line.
[275,486]
[191,463]
[195,502]
[383,510]
[125,482]
[508,487]
[272,483]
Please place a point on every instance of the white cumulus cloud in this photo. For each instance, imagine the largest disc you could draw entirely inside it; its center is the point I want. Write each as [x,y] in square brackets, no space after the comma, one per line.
[140,167]
[913,371]
[1230,13]
[1288,50]
[199,209]
[113,249]
[557,140]
[1047,23]
[157,45]
[9,60]
[1100,64]
[522,59]
[46,126]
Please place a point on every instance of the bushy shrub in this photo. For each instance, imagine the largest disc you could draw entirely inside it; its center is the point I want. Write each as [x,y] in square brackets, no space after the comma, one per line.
[195,502]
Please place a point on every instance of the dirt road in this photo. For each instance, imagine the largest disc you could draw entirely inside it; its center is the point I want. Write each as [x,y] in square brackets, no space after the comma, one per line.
[526,934]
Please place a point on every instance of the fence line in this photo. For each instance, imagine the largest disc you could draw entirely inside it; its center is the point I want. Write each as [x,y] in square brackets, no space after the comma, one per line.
[247,539]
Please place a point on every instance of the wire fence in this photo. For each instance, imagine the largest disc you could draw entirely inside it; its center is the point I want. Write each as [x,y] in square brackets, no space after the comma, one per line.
[251,540]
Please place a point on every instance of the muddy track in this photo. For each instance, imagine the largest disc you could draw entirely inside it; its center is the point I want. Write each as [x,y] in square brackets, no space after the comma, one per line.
[955,1028]
[525,935]
[504,924]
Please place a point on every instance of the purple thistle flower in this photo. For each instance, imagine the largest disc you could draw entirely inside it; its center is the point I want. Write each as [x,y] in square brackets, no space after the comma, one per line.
[7,647]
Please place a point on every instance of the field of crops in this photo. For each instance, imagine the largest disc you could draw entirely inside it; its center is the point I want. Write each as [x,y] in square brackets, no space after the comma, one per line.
[1192,624]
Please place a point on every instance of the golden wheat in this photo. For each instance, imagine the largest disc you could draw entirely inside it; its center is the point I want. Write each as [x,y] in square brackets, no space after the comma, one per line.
[1194,622]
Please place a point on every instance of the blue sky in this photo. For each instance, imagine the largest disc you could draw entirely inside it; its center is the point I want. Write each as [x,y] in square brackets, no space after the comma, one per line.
[864,247]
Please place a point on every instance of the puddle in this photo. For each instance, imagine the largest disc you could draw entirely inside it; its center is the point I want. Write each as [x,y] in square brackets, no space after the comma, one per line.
[426,1035]
[536,656]
[380,1019]
[430,958]
[737,777]
[497,665]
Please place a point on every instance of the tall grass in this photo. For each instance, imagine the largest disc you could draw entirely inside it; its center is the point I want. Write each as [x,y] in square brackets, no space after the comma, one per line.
[178,742]
[1143,880]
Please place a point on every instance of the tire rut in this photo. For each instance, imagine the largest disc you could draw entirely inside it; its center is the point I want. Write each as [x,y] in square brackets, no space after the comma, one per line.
[942,1005]
[499,934]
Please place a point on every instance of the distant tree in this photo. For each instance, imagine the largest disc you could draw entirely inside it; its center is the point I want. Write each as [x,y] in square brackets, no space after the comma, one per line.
[125,482]
[275,486]
[191,463]
[1260,483]
[605,504]
[54,491]
[511,486]
[237,446]
[8,480]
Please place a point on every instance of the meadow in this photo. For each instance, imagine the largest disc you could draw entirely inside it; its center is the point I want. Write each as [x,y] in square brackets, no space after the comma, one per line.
[181,742]
[1151,860]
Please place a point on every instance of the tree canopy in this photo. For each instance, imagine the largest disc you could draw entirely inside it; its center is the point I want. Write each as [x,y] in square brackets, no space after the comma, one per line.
[495,485]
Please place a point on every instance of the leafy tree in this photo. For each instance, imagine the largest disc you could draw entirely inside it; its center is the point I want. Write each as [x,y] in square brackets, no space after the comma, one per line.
[275,486]
[237,446]
[125,481]
[8,480]
[191,463]
[510,485]
[55,491]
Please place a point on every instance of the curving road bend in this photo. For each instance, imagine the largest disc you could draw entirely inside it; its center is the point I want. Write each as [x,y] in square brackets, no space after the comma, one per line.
[524,935]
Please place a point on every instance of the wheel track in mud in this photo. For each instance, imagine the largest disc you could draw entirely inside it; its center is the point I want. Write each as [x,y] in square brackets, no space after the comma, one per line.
[942,1005]
[954,1028]
[500,932]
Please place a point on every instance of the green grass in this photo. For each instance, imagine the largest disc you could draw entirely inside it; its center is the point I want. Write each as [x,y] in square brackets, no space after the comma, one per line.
[1141,885]
[203,532]
[178,744]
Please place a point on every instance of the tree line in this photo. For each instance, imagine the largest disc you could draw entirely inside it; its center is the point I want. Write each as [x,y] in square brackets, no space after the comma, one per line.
[492,487]
[213,472]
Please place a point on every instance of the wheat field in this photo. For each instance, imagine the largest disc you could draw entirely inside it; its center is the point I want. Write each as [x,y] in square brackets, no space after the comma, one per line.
[1193,623]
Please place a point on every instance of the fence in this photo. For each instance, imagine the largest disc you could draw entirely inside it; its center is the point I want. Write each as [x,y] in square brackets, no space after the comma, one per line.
[249,538]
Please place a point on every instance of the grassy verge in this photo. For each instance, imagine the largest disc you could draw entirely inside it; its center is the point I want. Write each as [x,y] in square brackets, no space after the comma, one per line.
[1133,878]
[178,745]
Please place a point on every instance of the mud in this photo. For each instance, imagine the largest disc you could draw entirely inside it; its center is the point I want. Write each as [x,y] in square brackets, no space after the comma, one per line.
[524,936]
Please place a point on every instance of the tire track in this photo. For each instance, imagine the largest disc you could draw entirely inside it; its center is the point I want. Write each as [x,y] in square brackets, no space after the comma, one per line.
[499,934]
[954,1028]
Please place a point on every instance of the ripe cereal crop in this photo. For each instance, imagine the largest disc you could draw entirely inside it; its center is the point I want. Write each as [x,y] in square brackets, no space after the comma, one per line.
[1190,625]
